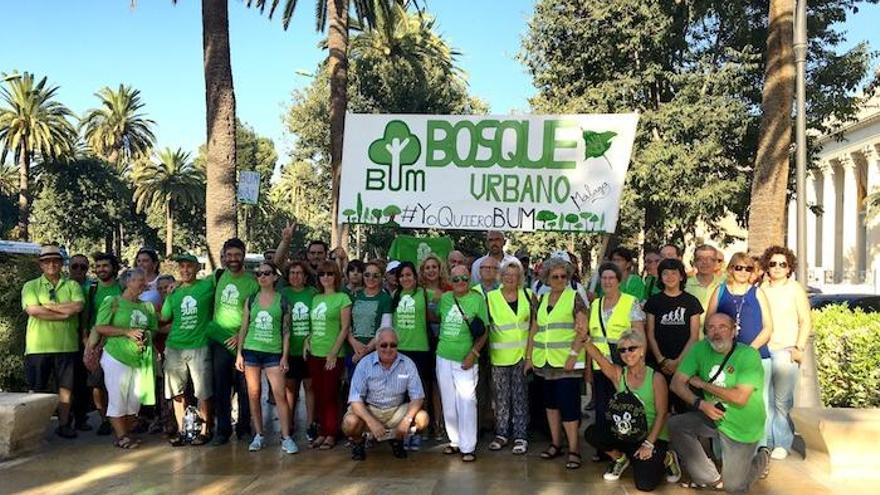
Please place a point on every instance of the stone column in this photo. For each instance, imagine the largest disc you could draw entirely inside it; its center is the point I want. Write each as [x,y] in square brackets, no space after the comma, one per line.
[850,219]
[872,224]
[791,225]
[829,216]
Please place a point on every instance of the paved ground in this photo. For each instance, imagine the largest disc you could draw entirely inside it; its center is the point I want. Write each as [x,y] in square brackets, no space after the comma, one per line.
[91,465]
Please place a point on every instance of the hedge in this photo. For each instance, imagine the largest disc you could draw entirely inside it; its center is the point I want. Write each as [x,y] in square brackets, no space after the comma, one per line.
[15,270]
[848,356]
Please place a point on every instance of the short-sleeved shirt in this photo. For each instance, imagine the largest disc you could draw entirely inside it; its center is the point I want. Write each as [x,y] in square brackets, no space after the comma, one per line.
[300,302]
[410,319]
[741,423]
[672,320]
[455,336]
[373,384]
[102,291]
[366,314]
[45,336]
[693,287]
[127,314]
[265,328]
[229,299]
[189,307]
[326,321]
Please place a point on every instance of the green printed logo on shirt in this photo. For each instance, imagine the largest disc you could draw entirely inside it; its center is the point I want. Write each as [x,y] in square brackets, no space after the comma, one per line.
[263,326]
[138,319]
[230,295]
[319,319]
[453,323]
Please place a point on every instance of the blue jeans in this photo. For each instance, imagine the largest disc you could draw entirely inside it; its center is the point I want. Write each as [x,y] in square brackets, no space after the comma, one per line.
[782,386]
[767,363]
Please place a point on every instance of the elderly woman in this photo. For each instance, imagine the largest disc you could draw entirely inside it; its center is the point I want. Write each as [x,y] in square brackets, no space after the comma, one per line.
[510,313]
[457,354]
[611,315]
[746,303]
[555,353]
[330,320]
[129,325]
[646,454]
[792,326]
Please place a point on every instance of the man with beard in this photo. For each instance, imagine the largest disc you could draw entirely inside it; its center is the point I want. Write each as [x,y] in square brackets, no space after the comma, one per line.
[234,287]
[731,410]
[495,244]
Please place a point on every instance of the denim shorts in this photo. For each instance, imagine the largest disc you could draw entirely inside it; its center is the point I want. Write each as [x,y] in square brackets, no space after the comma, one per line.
[261,359]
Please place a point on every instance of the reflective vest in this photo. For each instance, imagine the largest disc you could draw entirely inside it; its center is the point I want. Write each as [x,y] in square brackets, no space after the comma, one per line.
[614,327]
[509,332]
[555,336]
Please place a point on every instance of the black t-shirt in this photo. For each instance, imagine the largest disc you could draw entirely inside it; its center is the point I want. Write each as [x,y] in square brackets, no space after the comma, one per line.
[672,320]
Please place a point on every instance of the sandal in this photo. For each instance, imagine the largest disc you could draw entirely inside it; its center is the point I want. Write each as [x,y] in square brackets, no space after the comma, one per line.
[499,443]
[449,450]
[201,439]
[520,446]
[469,457]
[317,442]
[716,486]
[327,444]
[126,443]
[574,461]
[552,452]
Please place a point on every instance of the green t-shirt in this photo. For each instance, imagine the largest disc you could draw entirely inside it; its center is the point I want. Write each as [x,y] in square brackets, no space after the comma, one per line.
[102,292]
[741,423]
[127,315]
[410,321]
[44,336]
[189,308]
[229,300]
[366,314]
[455,335]
[300,303]
[326,320]
[633,286]
[264,332]
[653,285]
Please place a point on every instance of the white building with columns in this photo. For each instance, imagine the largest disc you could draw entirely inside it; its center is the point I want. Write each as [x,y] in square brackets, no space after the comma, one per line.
[843,242]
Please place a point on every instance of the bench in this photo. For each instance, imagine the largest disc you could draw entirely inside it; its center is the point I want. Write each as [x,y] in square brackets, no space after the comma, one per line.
[23,421]
[840,442]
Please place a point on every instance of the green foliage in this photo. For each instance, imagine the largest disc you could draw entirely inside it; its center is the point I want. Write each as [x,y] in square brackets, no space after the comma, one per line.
[848,354]
[16,271]
[32,120]
[117,130]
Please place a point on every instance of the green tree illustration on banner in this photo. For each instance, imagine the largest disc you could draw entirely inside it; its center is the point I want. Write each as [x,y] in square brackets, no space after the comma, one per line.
[596,144]
[397,148]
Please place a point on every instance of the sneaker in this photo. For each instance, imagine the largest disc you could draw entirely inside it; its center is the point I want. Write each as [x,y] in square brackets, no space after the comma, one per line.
[220,439]
[407,442]
[289,446]
[312,432]
[256,443]
[105,428]
[779,454]
[616,468]
[65,431]
[358,452]
[415,442]
[177,440]
[762,459]
[673,469]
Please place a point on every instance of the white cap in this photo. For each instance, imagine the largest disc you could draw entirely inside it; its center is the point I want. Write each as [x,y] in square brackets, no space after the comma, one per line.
[392,265]
[562,255]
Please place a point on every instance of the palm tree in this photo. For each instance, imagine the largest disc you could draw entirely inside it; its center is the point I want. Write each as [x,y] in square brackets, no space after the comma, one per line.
[32,122]
[8,179]
[117,130]
[336,12]
[172,182]
[770,179]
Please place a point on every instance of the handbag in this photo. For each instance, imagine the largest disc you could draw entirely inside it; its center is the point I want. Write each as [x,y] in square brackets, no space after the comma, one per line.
[626,415]
[476,326]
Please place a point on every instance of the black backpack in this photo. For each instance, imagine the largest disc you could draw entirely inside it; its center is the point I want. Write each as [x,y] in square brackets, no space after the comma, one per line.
[626,415]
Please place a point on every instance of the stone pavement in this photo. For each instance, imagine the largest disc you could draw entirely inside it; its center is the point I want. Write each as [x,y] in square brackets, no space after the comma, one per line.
[91,464]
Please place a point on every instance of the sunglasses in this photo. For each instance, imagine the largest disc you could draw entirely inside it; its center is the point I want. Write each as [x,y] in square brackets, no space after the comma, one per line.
[780,264]
[80,266]
[459,278]
[372,275]
[53,296]
[742,268]
[624,350]
[326,274]
[558,277]
[386,345]
[264,273]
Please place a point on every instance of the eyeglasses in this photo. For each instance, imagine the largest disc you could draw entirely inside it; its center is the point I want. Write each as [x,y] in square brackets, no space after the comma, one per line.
[743,268]
[79,266]
[488,267]
[459,278]
[558,276]
[264,273]
[624,350]
[780,264]
[386,345]
[325,274]
[372,275]
[53,296]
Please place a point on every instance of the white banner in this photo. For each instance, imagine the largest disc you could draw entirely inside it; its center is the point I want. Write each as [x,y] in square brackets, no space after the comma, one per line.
[248,187]
[471,172]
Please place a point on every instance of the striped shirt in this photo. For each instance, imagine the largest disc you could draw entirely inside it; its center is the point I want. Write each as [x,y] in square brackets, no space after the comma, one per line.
[384,388]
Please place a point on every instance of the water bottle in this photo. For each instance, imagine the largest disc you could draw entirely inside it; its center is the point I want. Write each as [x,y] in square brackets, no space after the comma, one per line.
[190,420]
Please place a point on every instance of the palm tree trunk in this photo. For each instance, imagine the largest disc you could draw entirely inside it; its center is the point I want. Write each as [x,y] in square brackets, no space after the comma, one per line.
[169,230]
[337,42]
[220,203]
[24,203]
[770,182]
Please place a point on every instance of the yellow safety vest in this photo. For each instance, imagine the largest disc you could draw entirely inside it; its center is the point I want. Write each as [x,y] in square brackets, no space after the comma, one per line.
[614,327]
[509,332]
[556,334]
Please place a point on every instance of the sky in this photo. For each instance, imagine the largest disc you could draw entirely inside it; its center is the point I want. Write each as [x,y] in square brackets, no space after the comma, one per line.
[83,45]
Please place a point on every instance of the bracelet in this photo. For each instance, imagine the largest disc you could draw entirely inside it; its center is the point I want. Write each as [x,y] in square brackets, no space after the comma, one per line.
[647,443]
[663,361]
[573,353]
[475,353]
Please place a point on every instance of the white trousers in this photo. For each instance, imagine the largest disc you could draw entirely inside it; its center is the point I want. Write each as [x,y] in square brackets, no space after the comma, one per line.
[123,398]
[458,393]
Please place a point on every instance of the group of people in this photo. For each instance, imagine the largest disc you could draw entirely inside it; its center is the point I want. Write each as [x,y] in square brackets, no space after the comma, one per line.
[670,358]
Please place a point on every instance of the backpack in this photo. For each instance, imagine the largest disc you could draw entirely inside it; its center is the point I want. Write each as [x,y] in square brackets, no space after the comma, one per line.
[626,415]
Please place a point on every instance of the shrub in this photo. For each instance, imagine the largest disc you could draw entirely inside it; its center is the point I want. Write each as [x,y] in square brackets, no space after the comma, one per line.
[848,356]
[15,270]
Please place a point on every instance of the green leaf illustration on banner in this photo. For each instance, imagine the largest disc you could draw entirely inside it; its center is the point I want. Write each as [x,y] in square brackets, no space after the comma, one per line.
[348,214]
[397,148]
[547,217]
[377,214]
[391,211]
[597,143]
[572,218]
[360,207]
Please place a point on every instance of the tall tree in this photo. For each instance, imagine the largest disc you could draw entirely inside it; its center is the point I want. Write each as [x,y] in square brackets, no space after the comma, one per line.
[172,183]
[118,130]
[32,122]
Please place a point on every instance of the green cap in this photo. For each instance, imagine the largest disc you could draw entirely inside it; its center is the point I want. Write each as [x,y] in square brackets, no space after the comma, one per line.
[186,257]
